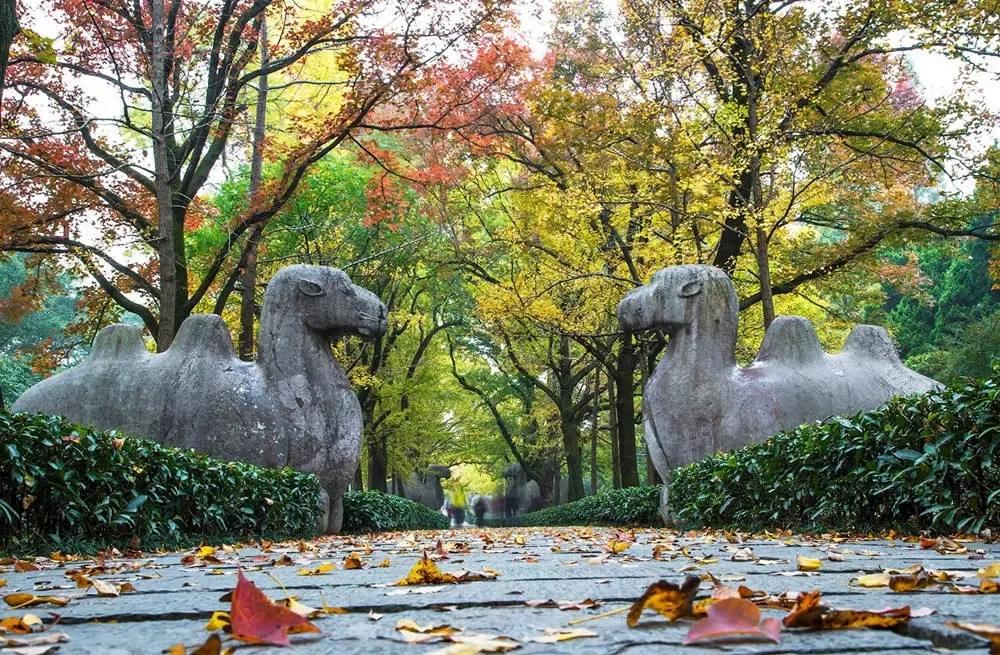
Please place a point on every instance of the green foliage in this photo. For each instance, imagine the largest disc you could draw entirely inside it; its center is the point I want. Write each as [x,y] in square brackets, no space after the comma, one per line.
[60,481]
[925,462]
[46,324]
[629,506]
[371,511]
[946,324]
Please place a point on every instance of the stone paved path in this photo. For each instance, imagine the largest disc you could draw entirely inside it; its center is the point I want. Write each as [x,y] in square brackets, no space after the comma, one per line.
[172,601]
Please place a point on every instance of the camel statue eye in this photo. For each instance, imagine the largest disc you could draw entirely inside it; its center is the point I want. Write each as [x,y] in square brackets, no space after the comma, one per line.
[310,288]
[347,289]
[690,289]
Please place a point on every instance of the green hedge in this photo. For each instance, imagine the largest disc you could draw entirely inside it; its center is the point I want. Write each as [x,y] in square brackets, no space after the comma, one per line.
[371,511]
[925,462]
[630,506]
[61,482]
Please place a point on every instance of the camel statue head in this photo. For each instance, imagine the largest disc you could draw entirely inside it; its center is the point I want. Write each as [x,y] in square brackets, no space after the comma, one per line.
[679,296]
[326,301]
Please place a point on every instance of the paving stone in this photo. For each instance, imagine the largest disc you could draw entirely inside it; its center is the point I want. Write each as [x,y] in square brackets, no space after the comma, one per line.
[558,564]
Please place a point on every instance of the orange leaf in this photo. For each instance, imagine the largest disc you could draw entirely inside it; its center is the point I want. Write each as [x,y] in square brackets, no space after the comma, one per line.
[257,620]
[984,630]
[733,617]
[808,613]
[670,600]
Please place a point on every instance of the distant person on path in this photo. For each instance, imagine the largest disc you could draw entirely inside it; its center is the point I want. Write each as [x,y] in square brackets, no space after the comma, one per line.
[479,507]
[457,502]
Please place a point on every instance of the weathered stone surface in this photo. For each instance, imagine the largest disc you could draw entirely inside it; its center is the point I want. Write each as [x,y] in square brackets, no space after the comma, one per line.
[698,401]
[560,564]
[292,407]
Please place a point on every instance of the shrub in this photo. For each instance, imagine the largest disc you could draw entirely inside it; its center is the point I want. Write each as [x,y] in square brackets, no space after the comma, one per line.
[371,511]
[60,481]
[629,506]
[924,462]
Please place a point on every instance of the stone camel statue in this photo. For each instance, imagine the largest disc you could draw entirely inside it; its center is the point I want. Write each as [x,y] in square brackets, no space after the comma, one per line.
[292,407]
[698,401]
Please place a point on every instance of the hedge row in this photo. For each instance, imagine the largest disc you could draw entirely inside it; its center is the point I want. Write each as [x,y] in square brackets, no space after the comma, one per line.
[624,507]
[372,511]
[60,481]
[925,462]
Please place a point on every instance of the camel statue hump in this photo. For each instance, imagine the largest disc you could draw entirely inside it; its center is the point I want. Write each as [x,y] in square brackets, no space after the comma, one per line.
[203,336]
[118,342]
[871,342]
[791,340]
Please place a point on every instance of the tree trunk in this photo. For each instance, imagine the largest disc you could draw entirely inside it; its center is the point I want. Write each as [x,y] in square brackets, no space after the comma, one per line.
[625,397]
[616,465]
[764,273]
[8,30]
[595,416]
[248,293]
[568,424]
[170,241]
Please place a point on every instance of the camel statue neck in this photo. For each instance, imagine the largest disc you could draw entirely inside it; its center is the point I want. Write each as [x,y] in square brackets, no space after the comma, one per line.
[287,346]
[708,342]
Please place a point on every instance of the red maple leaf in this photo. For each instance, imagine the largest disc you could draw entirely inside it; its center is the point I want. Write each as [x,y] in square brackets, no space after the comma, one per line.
[255,619]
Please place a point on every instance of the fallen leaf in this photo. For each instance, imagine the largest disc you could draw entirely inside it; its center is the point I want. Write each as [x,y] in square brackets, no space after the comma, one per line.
[322,569]
[808,563]
[985,630]
[212,646]
[413,633]
[352,561]
[24,599]
[425,571]
[556,635]
[871,580]
[374,616]
[670,600]
[21,625]
[911,581]
[809,613]
[256,620]
[220,621]
[991,571]
[384,564]
[22,566]
[733,617]
[41,645]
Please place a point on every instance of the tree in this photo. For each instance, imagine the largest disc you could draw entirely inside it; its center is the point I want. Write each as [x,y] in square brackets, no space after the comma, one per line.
[9,28]
[178,75]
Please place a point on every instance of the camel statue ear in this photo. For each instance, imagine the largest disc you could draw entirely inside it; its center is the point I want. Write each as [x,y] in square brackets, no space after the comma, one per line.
[690,289]
[310,288]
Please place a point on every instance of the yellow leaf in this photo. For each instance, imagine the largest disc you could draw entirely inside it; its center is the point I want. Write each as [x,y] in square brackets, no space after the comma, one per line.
[384,564]
[3,582]
[519,539]
[871,580]
[425,571]
[205,551]
[808,563]
[352,561]
[617,546]
[322,569]
[991,571]
[220,621]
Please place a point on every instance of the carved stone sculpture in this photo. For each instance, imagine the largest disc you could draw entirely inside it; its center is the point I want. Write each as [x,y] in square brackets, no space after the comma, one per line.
[698,401]
[424,487]
[292,407]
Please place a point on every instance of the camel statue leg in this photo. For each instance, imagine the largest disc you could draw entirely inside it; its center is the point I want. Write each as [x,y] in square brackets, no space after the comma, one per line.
[335,513]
